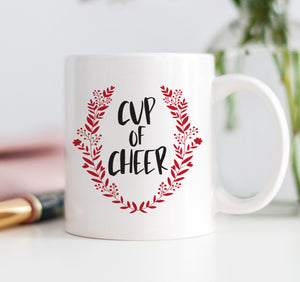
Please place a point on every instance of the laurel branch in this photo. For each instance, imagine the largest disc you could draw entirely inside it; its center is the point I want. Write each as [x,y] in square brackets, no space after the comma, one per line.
[89,140]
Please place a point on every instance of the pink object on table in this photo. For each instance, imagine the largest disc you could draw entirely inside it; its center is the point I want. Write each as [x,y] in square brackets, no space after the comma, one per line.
[31,166]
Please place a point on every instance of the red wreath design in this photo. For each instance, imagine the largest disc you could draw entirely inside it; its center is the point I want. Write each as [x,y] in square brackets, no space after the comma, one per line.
[186,142]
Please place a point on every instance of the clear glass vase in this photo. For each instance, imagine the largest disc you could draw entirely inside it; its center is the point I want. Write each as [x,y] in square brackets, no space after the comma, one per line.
[262,43]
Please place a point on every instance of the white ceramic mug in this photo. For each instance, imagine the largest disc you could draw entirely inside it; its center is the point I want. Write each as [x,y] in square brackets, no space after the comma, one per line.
[139,146]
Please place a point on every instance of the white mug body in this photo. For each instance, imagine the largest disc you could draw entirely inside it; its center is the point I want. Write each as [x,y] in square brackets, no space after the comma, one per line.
[139,145]
[157,165]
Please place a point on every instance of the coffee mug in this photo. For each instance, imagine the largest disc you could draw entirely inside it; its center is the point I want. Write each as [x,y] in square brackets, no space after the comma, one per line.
[139,146]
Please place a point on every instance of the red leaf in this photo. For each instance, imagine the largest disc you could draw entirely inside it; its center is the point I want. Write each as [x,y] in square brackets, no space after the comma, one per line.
[189,164]
[128,204]
[121,199]
[96,180]
[96,158]
[176,164]
[141,205]
[99,165]
[92,173]
[152,207]
[107,195]
[106,182]
[102,174]
[133,211]
[172,108]
[116,202]
[168,194]
[187,159]
[178,156]
[143,211]
[85,166]
[134,205]
[173,173]
[187,127]
[88,161]
[148,203]
[160,201]
[154,198]
[169,181]
[178,179]
[182,172]
[123,208]
[179,129]
[185,120]
[89,121]
[103,108]
[88,128]
[95,130]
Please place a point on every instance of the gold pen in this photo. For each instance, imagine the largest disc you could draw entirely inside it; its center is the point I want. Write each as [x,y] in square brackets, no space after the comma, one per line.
[30,208]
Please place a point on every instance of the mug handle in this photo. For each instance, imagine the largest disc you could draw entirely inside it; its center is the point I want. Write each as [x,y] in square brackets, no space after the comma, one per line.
[222,87]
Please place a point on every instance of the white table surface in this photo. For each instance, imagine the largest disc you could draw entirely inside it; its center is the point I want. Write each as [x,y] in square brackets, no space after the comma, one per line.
[244,248]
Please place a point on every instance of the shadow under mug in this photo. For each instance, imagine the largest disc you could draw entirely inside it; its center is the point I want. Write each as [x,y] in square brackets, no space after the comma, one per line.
[139,145]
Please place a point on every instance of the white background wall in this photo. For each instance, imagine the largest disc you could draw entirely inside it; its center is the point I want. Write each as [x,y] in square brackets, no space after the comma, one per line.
[35,37]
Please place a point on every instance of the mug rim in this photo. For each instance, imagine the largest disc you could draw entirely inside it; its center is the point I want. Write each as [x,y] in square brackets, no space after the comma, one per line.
[142,54]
